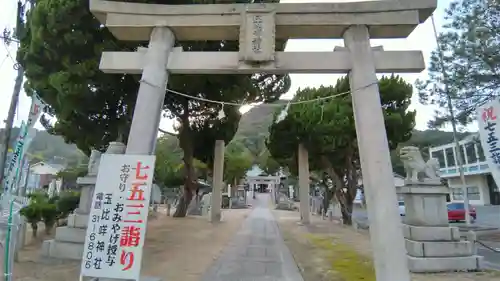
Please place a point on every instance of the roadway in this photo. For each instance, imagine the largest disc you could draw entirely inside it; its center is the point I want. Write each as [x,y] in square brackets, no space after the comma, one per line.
[488,220]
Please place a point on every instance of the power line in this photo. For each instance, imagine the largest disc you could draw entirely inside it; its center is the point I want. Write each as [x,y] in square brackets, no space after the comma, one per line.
[3,61]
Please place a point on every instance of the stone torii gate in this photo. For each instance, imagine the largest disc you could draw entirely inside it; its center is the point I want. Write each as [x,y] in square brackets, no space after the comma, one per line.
[257,26]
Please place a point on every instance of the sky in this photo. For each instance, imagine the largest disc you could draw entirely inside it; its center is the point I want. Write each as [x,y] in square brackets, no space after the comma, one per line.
[421,39]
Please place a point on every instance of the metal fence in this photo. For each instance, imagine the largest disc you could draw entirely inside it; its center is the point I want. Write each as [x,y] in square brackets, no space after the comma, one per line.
[11,231]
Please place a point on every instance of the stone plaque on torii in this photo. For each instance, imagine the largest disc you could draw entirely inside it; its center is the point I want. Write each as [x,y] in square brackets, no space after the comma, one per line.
[257,26]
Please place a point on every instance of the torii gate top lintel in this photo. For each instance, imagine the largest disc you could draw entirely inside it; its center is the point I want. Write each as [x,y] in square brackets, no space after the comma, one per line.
[386,19]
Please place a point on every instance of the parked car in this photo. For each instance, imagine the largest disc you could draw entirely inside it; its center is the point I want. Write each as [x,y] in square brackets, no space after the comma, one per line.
[456,212]
[402,208]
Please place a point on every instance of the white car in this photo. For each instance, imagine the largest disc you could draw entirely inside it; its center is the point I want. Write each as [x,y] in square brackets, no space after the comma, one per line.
[402,209]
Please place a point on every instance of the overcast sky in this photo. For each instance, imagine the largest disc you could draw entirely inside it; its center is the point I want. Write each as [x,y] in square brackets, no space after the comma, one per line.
[421,39]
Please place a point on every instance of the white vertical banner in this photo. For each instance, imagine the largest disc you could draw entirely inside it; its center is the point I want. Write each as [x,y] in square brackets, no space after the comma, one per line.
[118,217]
[26,135]
[15,160]
[489,132]
[36,109]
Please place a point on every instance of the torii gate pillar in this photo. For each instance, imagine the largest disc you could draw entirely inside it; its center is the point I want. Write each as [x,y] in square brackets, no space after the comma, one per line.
[151,95]
[375,159]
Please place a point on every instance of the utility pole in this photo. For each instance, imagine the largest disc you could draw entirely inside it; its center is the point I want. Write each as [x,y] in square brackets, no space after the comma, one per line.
[458,149]
[9,122]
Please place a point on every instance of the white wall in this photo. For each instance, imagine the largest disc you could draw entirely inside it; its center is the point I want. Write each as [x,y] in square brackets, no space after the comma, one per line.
[473,181]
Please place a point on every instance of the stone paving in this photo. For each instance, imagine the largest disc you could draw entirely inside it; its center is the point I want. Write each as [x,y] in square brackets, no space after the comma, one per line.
[257,252]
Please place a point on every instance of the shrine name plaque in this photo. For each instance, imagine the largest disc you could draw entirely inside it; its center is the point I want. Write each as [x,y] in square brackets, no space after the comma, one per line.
[257,35]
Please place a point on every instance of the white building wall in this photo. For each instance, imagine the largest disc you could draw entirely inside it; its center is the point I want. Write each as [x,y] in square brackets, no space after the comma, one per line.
[478,189]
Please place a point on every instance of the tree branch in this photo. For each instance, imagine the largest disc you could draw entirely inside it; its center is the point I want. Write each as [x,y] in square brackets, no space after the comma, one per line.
[168,133]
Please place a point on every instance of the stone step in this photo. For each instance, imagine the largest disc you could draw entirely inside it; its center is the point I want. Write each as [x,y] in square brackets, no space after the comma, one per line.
[447,264]
[62,250]
[70,234]
[439,249]
[431,233]
[78,220]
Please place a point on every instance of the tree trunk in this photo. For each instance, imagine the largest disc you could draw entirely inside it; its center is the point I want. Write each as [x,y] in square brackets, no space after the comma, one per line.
[190,175]
[234,188]
[182,206]
[346,209]
[34,230]
[352,188]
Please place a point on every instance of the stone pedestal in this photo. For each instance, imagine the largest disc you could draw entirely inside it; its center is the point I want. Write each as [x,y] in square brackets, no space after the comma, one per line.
[431,244]
[69,240]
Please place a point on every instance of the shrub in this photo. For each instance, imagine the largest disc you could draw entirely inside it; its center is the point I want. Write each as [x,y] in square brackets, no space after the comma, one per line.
[67,203]
[33,216]
[49,215]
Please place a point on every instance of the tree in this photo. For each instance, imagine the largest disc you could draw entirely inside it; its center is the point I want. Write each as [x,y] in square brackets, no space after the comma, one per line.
[469,46]
[237,161]
[168,165]
[326,128]
[267,163]
[61,52]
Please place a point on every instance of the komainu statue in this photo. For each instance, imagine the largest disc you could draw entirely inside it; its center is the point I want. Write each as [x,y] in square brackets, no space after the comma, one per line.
[415,165]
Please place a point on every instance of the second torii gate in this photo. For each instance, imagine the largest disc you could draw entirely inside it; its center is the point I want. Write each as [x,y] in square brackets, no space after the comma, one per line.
[257,26]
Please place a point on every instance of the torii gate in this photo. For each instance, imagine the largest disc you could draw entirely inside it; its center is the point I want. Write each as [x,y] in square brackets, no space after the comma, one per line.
[257,26]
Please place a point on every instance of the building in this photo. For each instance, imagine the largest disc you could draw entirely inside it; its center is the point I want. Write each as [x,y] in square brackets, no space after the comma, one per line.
[398,182]
[41,175]
[482,189]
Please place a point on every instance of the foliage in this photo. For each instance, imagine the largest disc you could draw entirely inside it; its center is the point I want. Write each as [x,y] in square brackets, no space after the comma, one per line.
[33,216]
[60,54]
[49,209]
[72,173]
[254,126]
[49,214]
[169,168]
[267,163]
[237,161]
[469,45]
[67,202]
[326,129]
[168,172]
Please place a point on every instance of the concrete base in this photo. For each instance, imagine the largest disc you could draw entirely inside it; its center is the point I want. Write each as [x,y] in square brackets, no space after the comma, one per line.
[78,220]
[425,205]
[142,278]
[69,234]
[69,240]
[425,233]
[62,250]
[439,249]
[445,264]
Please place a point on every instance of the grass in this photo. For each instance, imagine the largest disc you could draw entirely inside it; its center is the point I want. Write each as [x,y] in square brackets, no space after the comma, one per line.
[345,262]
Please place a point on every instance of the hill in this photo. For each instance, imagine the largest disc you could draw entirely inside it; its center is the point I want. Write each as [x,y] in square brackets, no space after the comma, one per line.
[255,124]
[48,147]
[253,130]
